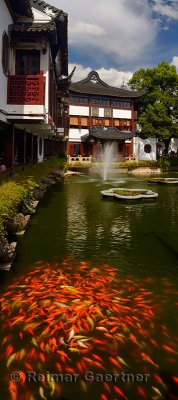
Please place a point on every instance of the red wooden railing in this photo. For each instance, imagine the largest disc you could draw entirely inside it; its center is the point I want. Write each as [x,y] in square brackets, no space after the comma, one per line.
[26,89]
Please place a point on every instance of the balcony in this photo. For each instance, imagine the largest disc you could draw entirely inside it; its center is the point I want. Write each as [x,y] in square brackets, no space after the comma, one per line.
[26,89]
[26,98]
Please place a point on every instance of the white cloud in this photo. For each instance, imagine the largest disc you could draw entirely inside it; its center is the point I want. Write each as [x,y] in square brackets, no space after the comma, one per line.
[85,29]
[120,30]
[167,10]
[111,76]
[175,62]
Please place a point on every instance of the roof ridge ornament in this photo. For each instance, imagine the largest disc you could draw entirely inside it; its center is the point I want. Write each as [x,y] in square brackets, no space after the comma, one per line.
[94,78]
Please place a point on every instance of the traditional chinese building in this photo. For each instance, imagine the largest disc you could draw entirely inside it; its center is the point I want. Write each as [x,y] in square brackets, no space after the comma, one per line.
[98,114]
[34,53]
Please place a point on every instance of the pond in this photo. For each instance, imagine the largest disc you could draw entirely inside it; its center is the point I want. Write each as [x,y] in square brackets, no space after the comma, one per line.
[92,297]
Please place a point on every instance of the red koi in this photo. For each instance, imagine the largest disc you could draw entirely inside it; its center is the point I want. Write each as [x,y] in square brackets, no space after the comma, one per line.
[175,379]
[107,387]
[141,392]
[103,397]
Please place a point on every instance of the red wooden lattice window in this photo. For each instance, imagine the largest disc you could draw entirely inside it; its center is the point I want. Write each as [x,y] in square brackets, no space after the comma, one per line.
[26,89]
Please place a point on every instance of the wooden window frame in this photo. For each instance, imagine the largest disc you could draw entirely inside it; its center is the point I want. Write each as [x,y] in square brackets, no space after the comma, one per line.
[5,53]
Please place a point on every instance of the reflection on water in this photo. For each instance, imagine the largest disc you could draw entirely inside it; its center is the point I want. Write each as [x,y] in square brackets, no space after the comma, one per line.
[85,325]
[76,223]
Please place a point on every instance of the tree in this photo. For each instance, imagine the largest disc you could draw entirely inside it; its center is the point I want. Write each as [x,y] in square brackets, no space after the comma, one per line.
[158,112]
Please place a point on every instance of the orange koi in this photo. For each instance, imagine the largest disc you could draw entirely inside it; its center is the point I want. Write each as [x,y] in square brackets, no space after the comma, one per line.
[9,350]
[28,366]
[17,320]
[70,370]
[114,329]
[152,341]
[63,354]
[119,391]
[108,336]
[114,362]
[42,357]
[133,339]
[13,390]
[96,357]
[22,377]
[148,359]
[58,367]
[167,348]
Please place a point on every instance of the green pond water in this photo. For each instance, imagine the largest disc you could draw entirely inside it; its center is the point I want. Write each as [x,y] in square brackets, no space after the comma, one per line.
[101,247]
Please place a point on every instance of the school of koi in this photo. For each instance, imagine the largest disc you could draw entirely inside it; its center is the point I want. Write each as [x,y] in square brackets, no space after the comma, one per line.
[80,318]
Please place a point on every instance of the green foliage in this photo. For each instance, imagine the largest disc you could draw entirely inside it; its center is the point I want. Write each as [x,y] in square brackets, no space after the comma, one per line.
[135,164]
[159,109]
[16,192]
[78,164]
[164,163]
[11,195]
[122,192]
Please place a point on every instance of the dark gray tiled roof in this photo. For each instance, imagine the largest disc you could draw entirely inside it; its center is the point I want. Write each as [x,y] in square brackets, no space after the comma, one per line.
[109,133]
[95,86]
[44,27]
[42,6]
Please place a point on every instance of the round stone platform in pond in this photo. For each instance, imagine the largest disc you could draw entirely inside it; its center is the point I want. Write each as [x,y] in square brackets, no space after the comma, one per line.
[163,181]
[124,194]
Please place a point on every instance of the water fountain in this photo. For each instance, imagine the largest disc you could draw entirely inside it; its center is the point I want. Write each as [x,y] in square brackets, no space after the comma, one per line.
[106,156]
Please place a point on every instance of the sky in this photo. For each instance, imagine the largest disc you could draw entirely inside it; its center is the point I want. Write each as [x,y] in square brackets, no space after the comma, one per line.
[118,37]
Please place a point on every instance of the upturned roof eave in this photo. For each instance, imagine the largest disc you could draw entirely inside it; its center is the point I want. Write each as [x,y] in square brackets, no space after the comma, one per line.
[108,91]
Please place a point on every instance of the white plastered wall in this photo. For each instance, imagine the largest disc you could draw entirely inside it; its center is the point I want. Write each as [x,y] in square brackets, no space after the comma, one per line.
[139,146]
[76,134]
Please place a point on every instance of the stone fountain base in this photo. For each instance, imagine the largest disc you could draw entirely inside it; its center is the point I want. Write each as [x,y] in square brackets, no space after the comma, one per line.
[124,194]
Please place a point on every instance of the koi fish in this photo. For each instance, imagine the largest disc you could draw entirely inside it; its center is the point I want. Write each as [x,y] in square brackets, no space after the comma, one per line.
[13,390]
[122,361]
[114,362]
[41,392]
[141,391]
[119,391]
[148,359]
[103,396]
[10,359]
[157,391]
[167,348]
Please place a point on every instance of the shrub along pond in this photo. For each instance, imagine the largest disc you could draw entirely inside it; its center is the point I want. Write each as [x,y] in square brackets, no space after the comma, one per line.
[17,195]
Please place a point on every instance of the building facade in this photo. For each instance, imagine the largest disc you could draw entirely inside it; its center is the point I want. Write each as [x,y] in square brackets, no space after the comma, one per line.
[34,60]
[98,114]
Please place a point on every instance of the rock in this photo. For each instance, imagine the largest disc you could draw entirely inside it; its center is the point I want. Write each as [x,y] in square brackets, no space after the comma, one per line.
[72,173]
[38,194]
[7,250]
[47,181]
[57,174]
[16,224]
